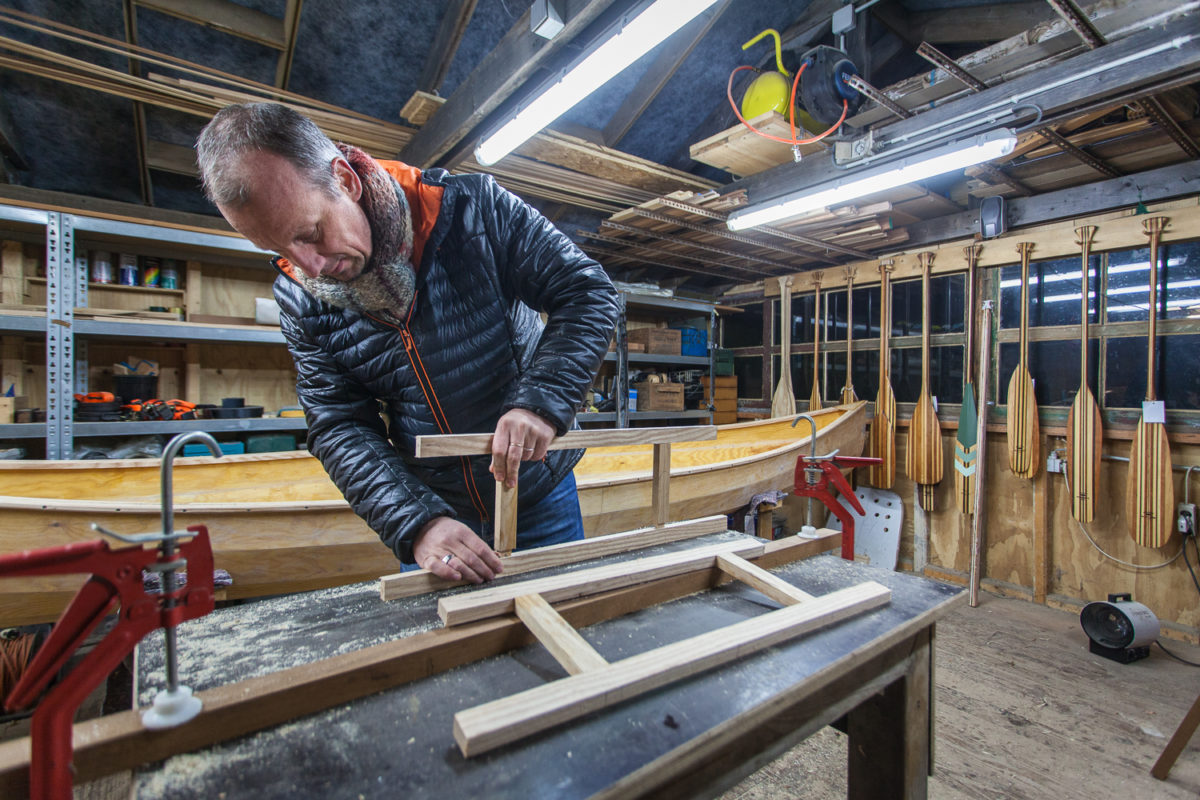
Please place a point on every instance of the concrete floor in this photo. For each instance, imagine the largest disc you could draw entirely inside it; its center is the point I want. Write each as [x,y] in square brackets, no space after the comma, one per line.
[1024,711]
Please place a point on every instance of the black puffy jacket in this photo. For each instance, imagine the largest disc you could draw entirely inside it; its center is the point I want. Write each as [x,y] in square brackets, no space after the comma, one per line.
[473,348]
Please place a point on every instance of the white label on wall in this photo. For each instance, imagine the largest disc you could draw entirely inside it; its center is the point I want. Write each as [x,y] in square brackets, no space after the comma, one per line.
[935,404]
[1154,411]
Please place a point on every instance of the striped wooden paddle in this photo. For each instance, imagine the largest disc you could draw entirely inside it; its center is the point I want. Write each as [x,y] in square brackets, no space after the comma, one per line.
[968,416]
[1150,493]
[883,424]
[848,395]
[1024,452]
[814,399]
[1085,432]
[923,461]
[783,402]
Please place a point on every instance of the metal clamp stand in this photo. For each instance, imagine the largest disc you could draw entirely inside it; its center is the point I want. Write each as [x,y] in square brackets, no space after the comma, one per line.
[116,578]
[813,477]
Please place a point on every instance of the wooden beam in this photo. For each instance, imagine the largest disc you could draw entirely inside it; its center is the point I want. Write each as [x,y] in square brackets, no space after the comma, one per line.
[227,17]
[486,727]
[456,15]
[117,742]
[505,531]
[167,157]
[139,110]
[504,71]
[291,29]
[665,65]
[758,578]
[477,444]
[569,649]
[459,609]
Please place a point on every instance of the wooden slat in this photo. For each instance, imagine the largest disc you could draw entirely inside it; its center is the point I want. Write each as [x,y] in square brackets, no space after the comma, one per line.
[758,578]
[569,649]
[975,563]
[476,444]
[481,604]
[783,401]
[660,480]
[456,14]
[486,727]
[740,151]
[407,584]
[1023,451]
[848,395]
[506,518]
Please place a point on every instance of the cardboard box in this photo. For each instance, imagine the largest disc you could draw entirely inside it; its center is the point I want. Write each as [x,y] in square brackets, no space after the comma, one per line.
[9,406]
[659,341]
[724,417]
[722,381]
[659,396]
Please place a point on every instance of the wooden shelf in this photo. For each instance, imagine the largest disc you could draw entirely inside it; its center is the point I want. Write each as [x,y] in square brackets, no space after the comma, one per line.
[122,287]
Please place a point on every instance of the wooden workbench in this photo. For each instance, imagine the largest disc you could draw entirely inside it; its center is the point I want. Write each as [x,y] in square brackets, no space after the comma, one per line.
[871,675]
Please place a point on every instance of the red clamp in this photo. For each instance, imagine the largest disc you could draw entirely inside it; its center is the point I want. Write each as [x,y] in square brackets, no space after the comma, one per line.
[823,471]
[116,577]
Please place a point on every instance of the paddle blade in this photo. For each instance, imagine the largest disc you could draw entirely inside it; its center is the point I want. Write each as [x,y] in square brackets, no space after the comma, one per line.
[1150,492]
[783,403]
[1023,448]
[814,399]
[1084,436]
[923,461]
[848,395]
[883,438]
[965,451]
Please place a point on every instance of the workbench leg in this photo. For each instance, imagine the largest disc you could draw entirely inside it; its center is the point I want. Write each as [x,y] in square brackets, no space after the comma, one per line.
[890,735]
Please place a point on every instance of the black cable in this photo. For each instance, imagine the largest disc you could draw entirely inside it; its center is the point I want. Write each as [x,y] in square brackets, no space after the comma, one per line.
[1188,561]
[1172,655]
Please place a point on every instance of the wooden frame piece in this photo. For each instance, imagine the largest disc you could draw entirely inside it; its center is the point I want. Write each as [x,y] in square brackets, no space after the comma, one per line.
[569,649]
[462,608]
[119,741]
[420,581]
[758,578]
[491,725]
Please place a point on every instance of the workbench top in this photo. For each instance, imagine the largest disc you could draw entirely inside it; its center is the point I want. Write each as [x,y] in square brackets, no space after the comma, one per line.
[399,743]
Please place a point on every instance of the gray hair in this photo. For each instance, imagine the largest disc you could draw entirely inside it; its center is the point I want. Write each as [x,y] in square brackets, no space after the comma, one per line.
[239,129]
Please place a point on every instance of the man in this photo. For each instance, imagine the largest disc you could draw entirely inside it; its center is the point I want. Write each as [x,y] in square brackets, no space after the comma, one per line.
[418,292]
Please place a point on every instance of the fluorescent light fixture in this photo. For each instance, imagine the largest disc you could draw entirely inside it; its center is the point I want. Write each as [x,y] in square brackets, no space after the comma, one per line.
[628,42]
[860,183]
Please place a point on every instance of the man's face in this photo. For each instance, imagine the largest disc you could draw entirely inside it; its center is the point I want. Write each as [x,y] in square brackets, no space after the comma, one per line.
[321,234]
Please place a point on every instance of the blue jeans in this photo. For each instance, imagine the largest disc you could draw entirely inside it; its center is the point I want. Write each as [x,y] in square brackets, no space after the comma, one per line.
[554,519]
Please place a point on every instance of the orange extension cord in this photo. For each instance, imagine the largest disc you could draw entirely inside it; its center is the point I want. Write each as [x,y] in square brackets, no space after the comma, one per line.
[791,111]
[14,658]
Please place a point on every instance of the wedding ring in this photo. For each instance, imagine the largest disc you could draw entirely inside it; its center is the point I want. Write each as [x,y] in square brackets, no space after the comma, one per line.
[446,558]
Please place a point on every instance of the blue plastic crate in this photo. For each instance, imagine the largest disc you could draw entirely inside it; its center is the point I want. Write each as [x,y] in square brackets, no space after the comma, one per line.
[693,342]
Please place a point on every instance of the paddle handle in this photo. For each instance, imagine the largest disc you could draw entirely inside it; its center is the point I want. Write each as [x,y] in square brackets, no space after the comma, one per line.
[849,387]
[885,318]
[972,254]
[926,260]
[1153,228]
[1084,236]
[1024,249]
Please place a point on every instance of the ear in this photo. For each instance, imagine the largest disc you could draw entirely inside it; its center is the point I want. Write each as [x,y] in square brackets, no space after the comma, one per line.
[347,178]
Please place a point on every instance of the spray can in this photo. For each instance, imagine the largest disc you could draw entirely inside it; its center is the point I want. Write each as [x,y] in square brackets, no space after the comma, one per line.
[102,268]
[170,274]
[150,271]
[127,270]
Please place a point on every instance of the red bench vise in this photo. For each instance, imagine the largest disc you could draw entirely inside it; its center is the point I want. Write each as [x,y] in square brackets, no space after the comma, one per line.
[116,578]
[815,474]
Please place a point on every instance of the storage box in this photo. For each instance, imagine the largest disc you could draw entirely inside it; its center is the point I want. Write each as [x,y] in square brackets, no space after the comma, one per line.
[9,406]
[724,361]
[692,342]
[659,396]
[724,417]
[660,341]
[721,382]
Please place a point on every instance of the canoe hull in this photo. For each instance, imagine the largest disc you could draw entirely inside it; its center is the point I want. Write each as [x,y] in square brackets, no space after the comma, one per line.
[258,542]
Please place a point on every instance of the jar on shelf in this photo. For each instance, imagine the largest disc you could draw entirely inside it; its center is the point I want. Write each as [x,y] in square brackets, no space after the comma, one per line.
[170,274]
[127,270]
[101,266]
[151,271]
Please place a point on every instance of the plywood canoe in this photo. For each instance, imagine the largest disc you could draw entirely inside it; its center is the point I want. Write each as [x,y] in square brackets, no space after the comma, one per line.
[278,524]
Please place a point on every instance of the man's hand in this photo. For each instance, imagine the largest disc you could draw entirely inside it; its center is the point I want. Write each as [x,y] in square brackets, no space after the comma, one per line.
[520,436]
[470,558]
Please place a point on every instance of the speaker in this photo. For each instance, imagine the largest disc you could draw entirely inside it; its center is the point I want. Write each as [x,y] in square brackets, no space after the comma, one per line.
[992,220]
[1120,629]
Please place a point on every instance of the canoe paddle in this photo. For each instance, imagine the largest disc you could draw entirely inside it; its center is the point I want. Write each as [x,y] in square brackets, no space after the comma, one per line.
[977,518]
[814,399]
[923,461]
[1084,427]
[848,395]
[883,424]
[1150,493]
[783,402]
[968,416]
[1023,448]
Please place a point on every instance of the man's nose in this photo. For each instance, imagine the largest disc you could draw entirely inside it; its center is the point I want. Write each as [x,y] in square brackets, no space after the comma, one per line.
[308,260]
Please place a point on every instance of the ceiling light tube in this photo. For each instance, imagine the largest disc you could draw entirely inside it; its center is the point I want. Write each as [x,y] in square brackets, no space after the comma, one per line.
[636,36]
[860,183]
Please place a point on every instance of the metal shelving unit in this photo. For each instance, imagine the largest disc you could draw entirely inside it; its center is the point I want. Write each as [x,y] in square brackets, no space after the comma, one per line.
[666,306]
[66,336]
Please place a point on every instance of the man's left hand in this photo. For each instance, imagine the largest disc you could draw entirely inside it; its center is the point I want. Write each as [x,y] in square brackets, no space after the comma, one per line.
[520,436]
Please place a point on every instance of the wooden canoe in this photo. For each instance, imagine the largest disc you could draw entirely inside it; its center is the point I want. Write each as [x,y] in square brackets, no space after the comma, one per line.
[278,524]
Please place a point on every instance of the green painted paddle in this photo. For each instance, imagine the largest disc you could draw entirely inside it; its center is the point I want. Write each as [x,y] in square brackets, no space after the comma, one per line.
[923,461]
[848,395]
[883,424]
[1024,451]
[1085,432]
[1150,493]
[814,399]
[968,416]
